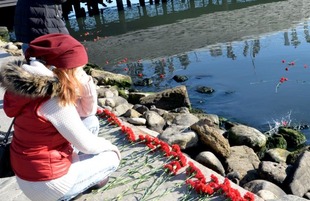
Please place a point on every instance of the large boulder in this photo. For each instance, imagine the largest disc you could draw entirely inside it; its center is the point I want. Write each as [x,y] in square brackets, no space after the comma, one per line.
[258,185]
[212,137]
[180,135]
[154,121]
[293,137]
[274,172]
[299,181]
[168,99]
[245,135]
[244,163]
[209,160]
[102,77]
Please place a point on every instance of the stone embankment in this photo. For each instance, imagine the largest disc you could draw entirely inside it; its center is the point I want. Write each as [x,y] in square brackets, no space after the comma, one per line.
[267,164]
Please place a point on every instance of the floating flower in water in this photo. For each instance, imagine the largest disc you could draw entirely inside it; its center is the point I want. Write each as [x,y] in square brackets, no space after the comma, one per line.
[284,123]
[281,81]
[292,63]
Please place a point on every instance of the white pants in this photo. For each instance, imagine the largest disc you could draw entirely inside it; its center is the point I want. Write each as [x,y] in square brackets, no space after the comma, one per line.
[92,169]
[86,171]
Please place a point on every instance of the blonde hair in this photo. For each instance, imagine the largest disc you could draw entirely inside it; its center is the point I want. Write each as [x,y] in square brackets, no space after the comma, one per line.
[70,86]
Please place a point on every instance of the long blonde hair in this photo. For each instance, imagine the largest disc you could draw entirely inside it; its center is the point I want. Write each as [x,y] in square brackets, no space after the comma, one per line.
[70,86]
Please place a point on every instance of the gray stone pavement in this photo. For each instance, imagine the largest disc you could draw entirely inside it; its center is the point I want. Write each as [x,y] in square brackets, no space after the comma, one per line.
[4,120]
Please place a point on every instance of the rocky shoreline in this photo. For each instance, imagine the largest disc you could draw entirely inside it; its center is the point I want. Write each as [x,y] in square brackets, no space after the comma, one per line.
[269,165]
[258,162]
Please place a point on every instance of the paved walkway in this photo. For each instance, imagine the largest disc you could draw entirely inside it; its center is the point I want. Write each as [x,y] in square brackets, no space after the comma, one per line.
[4,120]
[9,189]
[133,172]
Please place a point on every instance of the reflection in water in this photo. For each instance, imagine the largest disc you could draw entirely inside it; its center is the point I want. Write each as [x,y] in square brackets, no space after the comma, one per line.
[110,21]
[250,48]
[306,32]
[245,95]
[295,41]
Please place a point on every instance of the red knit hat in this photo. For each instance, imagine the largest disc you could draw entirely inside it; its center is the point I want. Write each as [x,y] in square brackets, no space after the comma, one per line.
[59,50]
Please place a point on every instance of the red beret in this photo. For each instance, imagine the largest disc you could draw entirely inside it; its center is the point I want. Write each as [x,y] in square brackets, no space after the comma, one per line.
[59,50]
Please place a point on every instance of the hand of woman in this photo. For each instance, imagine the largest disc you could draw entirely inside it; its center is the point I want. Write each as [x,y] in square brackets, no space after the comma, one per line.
[82,76]
[37,68]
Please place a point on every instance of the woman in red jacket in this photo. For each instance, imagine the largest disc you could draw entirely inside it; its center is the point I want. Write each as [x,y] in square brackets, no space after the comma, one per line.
[48,126]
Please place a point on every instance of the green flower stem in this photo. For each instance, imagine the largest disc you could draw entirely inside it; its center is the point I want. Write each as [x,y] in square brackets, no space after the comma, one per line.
[188,195]
[128,145]
[156,185]
[159,196]
[114,184]
[126,193]
[137,157]
[132,171]
[145,177]
[122,179]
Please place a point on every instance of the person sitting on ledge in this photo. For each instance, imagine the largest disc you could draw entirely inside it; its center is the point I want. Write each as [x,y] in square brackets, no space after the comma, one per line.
[53,153]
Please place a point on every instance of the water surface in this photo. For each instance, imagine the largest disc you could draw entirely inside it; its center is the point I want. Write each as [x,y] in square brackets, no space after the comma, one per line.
[244,72]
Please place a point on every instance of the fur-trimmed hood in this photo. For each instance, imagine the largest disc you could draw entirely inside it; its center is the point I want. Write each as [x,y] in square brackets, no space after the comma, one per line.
[16,79]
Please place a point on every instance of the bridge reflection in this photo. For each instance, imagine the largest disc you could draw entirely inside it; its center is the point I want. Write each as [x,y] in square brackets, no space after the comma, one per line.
[110,22]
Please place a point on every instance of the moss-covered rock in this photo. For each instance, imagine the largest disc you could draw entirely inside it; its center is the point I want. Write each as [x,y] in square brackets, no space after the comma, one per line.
[123,93]
[4,34]
[107,78]
[276,141]
[294,138]
[90,66]
[293,156]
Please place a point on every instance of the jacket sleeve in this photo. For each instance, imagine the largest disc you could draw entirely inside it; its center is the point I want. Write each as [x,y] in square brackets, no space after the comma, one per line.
[87,103]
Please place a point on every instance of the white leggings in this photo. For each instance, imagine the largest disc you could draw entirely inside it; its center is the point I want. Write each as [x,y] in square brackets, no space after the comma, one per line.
[86,171]
[92,169]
